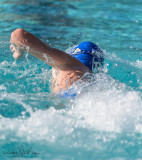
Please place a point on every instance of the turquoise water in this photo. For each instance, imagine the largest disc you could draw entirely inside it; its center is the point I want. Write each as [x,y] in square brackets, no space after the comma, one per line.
[105,120]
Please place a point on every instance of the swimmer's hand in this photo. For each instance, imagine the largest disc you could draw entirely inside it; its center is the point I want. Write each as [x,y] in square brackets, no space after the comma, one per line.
[17,52]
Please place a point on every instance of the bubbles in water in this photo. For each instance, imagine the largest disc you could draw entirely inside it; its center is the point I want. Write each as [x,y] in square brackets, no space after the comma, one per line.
[103,105]
[103,109]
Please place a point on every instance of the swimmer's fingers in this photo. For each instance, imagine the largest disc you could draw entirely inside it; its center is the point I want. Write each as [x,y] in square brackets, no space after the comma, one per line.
[12,48]
[16,55]
[17,52]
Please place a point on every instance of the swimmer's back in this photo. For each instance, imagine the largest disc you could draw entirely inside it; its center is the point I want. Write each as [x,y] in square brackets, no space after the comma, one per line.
[64,79]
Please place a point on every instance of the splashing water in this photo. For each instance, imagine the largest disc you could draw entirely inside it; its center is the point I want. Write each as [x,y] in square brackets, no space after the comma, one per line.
[104,121]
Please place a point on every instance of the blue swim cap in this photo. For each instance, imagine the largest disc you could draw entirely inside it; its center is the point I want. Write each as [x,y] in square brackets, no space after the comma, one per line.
[89,54]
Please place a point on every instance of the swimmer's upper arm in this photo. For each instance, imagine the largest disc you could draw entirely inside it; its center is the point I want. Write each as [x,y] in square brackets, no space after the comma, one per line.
[61,60]
[55,57]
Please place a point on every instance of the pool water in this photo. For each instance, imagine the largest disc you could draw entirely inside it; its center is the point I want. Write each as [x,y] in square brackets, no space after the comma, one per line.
[105,120]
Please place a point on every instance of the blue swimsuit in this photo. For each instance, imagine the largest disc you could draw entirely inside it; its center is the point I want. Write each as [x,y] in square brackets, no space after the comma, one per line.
[70,93]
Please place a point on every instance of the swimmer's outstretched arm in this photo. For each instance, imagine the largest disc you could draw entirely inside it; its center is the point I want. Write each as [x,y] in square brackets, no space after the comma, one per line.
[22,41]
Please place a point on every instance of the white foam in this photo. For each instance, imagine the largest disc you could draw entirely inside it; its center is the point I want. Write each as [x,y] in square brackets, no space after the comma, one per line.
[104,105]
[109,106]
[2,87]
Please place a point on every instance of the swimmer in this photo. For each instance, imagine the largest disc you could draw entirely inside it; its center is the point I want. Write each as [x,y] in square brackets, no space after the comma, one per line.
[66,68]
